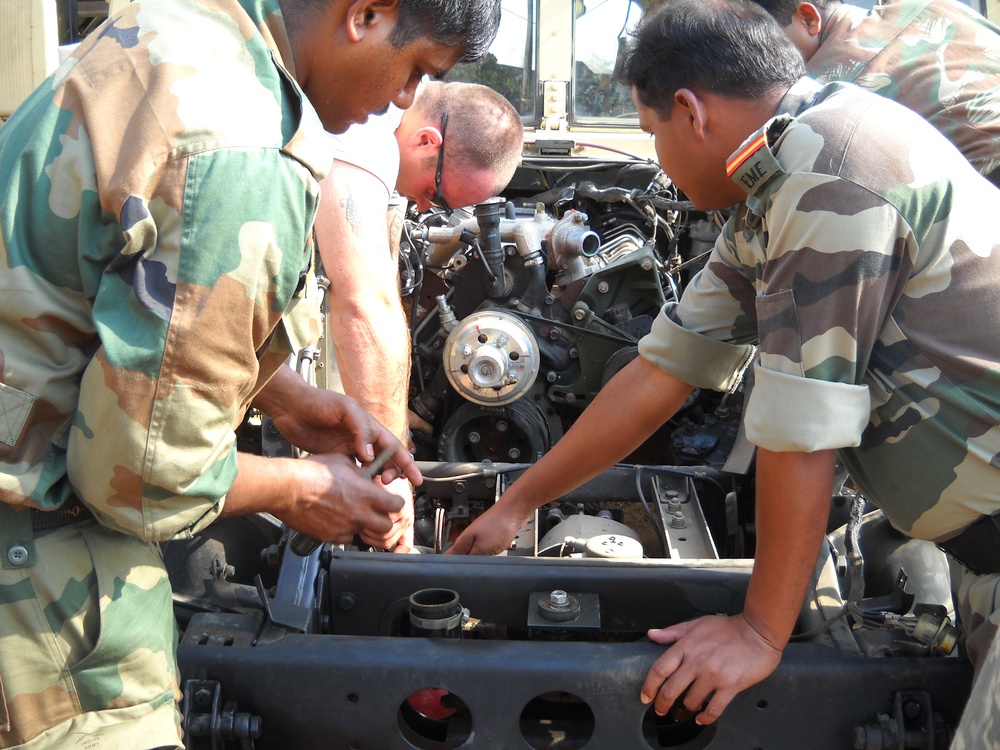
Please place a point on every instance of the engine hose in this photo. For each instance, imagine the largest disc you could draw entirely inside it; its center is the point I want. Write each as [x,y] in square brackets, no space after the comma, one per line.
[603,195]
[488,216]
[534,293]
[852,542]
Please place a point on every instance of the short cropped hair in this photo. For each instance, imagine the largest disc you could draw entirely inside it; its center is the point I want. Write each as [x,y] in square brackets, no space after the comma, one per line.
[484,129]
[732,48]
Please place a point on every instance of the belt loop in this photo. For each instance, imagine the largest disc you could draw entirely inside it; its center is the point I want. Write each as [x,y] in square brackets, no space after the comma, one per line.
[17,542]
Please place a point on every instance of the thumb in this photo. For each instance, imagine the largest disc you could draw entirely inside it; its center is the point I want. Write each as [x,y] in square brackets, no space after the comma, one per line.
[669,635]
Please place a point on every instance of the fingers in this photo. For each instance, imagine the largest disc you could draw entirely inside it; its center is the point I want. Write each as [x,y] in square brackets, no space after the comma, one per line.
[463,545]
[381,541]
[662,685]
[720,699]
[407,466]
[371,436]
[402,546]
[345,538]
[371,511]
[400,456]
[675,673]
[711,660]
[401,533]
[383,502]
[359,422]
[418,423]
[405,543]
[674,682]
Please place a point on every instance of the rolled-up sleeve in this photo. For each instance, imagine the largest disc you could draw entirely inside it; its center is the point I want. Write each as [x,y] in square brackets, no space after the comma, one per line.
[692,358]
[808,288]
[791,413]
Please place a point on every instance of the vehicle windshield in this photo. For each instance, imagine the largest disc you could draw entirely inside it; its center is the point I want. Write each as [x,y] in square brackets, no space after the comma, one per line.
[510,66]
[601,29]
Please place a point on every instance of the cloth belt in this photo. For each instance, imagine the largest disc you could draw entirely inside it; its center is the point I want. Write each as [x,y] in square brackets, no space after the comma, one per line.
[50,519]
[978,547]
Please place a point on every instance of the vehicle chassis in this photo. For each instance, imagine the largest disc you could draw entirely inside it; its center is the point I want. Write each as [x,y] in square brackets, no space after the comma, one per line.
[327,660]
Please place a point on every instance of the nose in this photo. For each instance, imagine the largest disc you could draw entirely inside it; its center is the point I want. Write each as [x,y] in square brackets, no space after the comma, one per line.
[423,204]
[404,99]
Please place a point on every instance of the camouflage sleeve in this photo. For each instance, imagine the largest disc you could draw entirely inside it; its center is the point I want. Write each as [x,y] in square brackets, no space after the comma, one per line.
[814,300]
[700,340]
[209,266]
[939,58]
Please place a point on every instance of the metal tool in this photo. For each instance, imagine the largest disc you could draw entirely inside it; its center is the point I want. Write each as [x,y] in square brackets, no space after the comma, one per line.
[303,544]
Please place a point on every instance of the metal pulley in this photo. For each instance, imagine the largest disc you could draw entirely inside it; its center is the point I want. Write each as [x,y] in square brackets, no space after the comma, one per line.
[491,358]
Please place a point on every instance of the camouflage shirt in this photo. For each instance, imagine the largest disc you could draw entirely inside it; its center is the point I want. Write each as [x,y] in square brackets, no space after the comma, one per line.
[869,278]
[937,57]
[157,195]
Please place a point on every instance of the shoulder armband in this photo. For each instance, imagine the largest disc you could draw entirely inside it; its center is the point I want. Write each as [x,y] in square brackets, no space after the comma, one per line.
[753,164]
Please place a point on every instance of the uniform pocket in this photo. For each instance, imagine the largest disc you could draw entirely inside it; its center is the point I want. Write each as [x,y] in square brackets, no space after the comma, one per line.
[778,329]
[133,660]
[42,609]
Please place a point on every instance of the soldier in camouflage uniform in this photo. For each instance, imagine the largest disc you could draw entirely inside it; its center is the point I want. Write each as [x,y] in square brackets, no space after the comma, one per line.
[866,279]
[157,195]
[942,60]
[938,57]
[979,728]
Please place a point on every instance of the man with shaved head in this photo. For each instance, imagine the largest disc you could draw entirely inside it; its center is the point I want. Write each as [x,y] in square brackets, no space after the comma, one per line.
[458,145]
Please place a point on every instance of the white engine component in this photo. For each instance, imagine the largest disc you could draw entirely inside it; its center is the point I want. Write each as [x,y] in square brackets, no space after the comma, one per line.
[491,358]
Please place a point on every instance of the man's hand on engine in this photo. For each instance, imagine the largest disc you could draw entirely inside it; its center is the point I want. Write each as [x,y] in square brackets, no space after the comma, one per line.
[400,537]
[492,532]
[324,422]
[712,659]
[334,499]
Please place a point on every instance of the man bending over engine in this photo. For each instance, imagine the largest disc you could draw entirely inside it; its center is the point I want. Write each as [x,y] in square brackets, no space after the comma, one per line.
[862,265]
[157,199]
[458,145]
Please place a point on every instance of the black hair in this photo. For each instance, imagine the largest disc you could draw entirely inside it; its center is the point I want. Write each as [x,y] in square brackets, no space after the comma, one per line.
[731,48]
[471,24]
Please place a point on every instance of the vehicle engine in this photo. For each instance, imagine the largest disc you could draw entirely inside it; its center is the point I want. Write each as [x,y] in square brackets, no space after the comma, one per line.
[522,309]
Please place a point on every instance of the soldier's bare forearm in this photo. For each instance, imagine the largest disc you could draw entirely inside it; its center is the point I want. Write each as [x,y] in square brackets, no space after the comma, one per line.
[366,320]
[793,503]
[373,356]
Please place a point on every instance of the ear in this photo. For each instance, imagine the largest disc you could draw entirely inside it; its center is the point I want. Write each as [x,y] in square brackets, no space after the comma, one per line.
[809,17]
[694,111]
[425,136]
[363,15]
